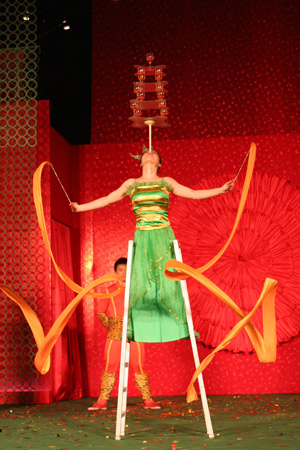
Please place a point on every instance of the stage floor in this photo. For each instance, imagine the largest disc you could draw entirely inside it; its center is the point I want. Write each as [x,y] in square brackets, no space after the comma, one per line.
[260,422]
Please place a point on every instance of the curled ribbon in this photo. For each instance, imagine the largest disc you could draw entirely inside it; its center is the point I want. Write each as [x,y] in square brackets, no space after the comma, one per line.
[37,197]
[265,347]
[46,343]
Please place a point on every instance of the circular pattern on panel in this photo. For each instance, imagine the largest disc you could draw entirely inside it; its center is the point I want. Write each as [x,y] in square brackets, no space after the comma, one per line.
[18,139]
[19,66]
[266,244]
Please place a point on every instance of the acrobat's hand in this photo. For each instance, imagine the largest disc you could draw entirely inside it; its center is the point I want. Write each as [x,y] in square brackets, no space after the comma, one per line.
[227,187]
[74,207]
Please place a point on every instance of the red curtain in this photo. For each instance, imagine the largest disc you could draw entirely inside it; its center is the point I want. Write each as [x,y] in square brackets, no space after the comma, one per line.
[66,369]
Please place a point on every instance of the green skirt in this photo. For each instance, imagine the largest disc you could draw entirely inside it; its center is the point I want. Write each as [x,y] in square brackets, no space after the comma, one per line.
[156,307]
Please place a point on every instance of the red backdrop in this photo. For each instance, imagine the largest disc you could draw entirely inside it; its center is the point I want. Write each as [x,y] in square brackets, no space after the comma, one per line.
[105,234]
[232,71]
[103,238]
[232,66]
[233,74]
[29,272]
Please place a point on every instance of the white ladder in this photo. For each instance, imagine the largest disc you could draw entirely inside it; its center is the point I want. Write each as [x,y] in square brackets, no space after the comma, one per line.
[125,351]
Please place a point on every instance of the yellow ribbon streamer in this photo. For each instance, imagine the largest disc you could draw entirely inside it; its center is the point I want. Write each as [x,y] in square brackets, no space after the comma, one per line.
[37,197]
[265,348]
[46,343]
[250,167]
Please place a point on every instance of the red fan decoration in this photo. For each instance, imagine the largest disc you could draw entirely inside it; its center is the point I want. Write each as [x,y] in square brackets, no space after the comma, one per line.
[266,244]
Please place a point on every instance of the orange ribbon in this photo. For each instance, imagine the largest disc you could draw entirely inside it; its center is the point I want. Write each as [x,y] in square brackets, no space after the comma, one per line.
[265,347]
[46,343]
[37,197]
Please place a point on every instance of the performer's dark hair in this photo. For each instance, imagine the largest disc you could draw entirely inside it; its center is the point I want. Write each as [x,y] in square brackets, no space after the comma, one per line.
[120,261]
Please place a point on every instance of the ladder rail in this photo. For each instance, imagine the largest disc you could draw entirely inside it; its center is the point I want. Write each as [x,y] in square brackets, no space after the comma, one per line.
[189,318]
[125,351]
[125,389]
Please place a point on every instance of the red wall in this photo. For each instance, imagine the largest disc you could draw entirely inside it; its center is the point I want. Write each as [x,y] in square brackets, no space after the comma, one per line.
[27,267]
[35,280]
[232,66]
[233,77]
[63,157]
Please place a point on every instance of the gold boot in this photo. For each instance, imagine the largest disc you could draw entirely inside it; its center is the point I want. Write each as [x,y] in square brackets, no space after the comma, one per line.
[107,384]
[143,384]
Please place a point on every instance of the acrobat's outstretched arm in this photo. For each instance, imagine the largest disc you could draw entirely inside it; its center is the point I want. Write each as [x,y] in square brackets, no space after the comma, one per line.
[186,192]
[113,197]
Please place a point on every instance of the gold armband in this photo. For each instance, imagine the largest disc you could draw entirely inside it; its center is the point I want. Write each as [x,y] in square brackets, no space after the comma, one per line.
[114,325]
[115,328]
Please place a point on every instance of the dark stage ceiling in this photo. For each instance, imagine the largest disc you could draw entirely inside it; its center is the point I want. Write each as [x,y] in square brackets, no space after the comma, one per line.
[65,65]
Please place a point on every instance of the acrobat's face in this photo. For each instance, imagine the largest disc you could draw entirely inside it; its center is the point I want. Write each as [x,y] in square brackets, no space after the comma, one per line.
[151,157]
[121,271]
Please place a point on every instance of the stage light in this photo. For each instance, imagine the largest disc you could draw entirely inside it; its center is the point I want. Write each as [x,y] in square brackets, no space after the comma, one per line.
[65,25]
[26,16]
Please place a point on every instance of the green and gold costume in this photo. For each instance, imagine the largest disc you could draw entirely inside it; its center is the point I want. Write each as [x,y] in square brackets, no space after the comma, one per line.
[156,308]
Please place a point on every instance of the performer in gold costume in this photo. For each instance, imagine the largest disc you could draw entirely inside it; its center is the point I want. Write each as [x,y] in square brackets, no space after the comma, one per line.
[156,308]
[110,312]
